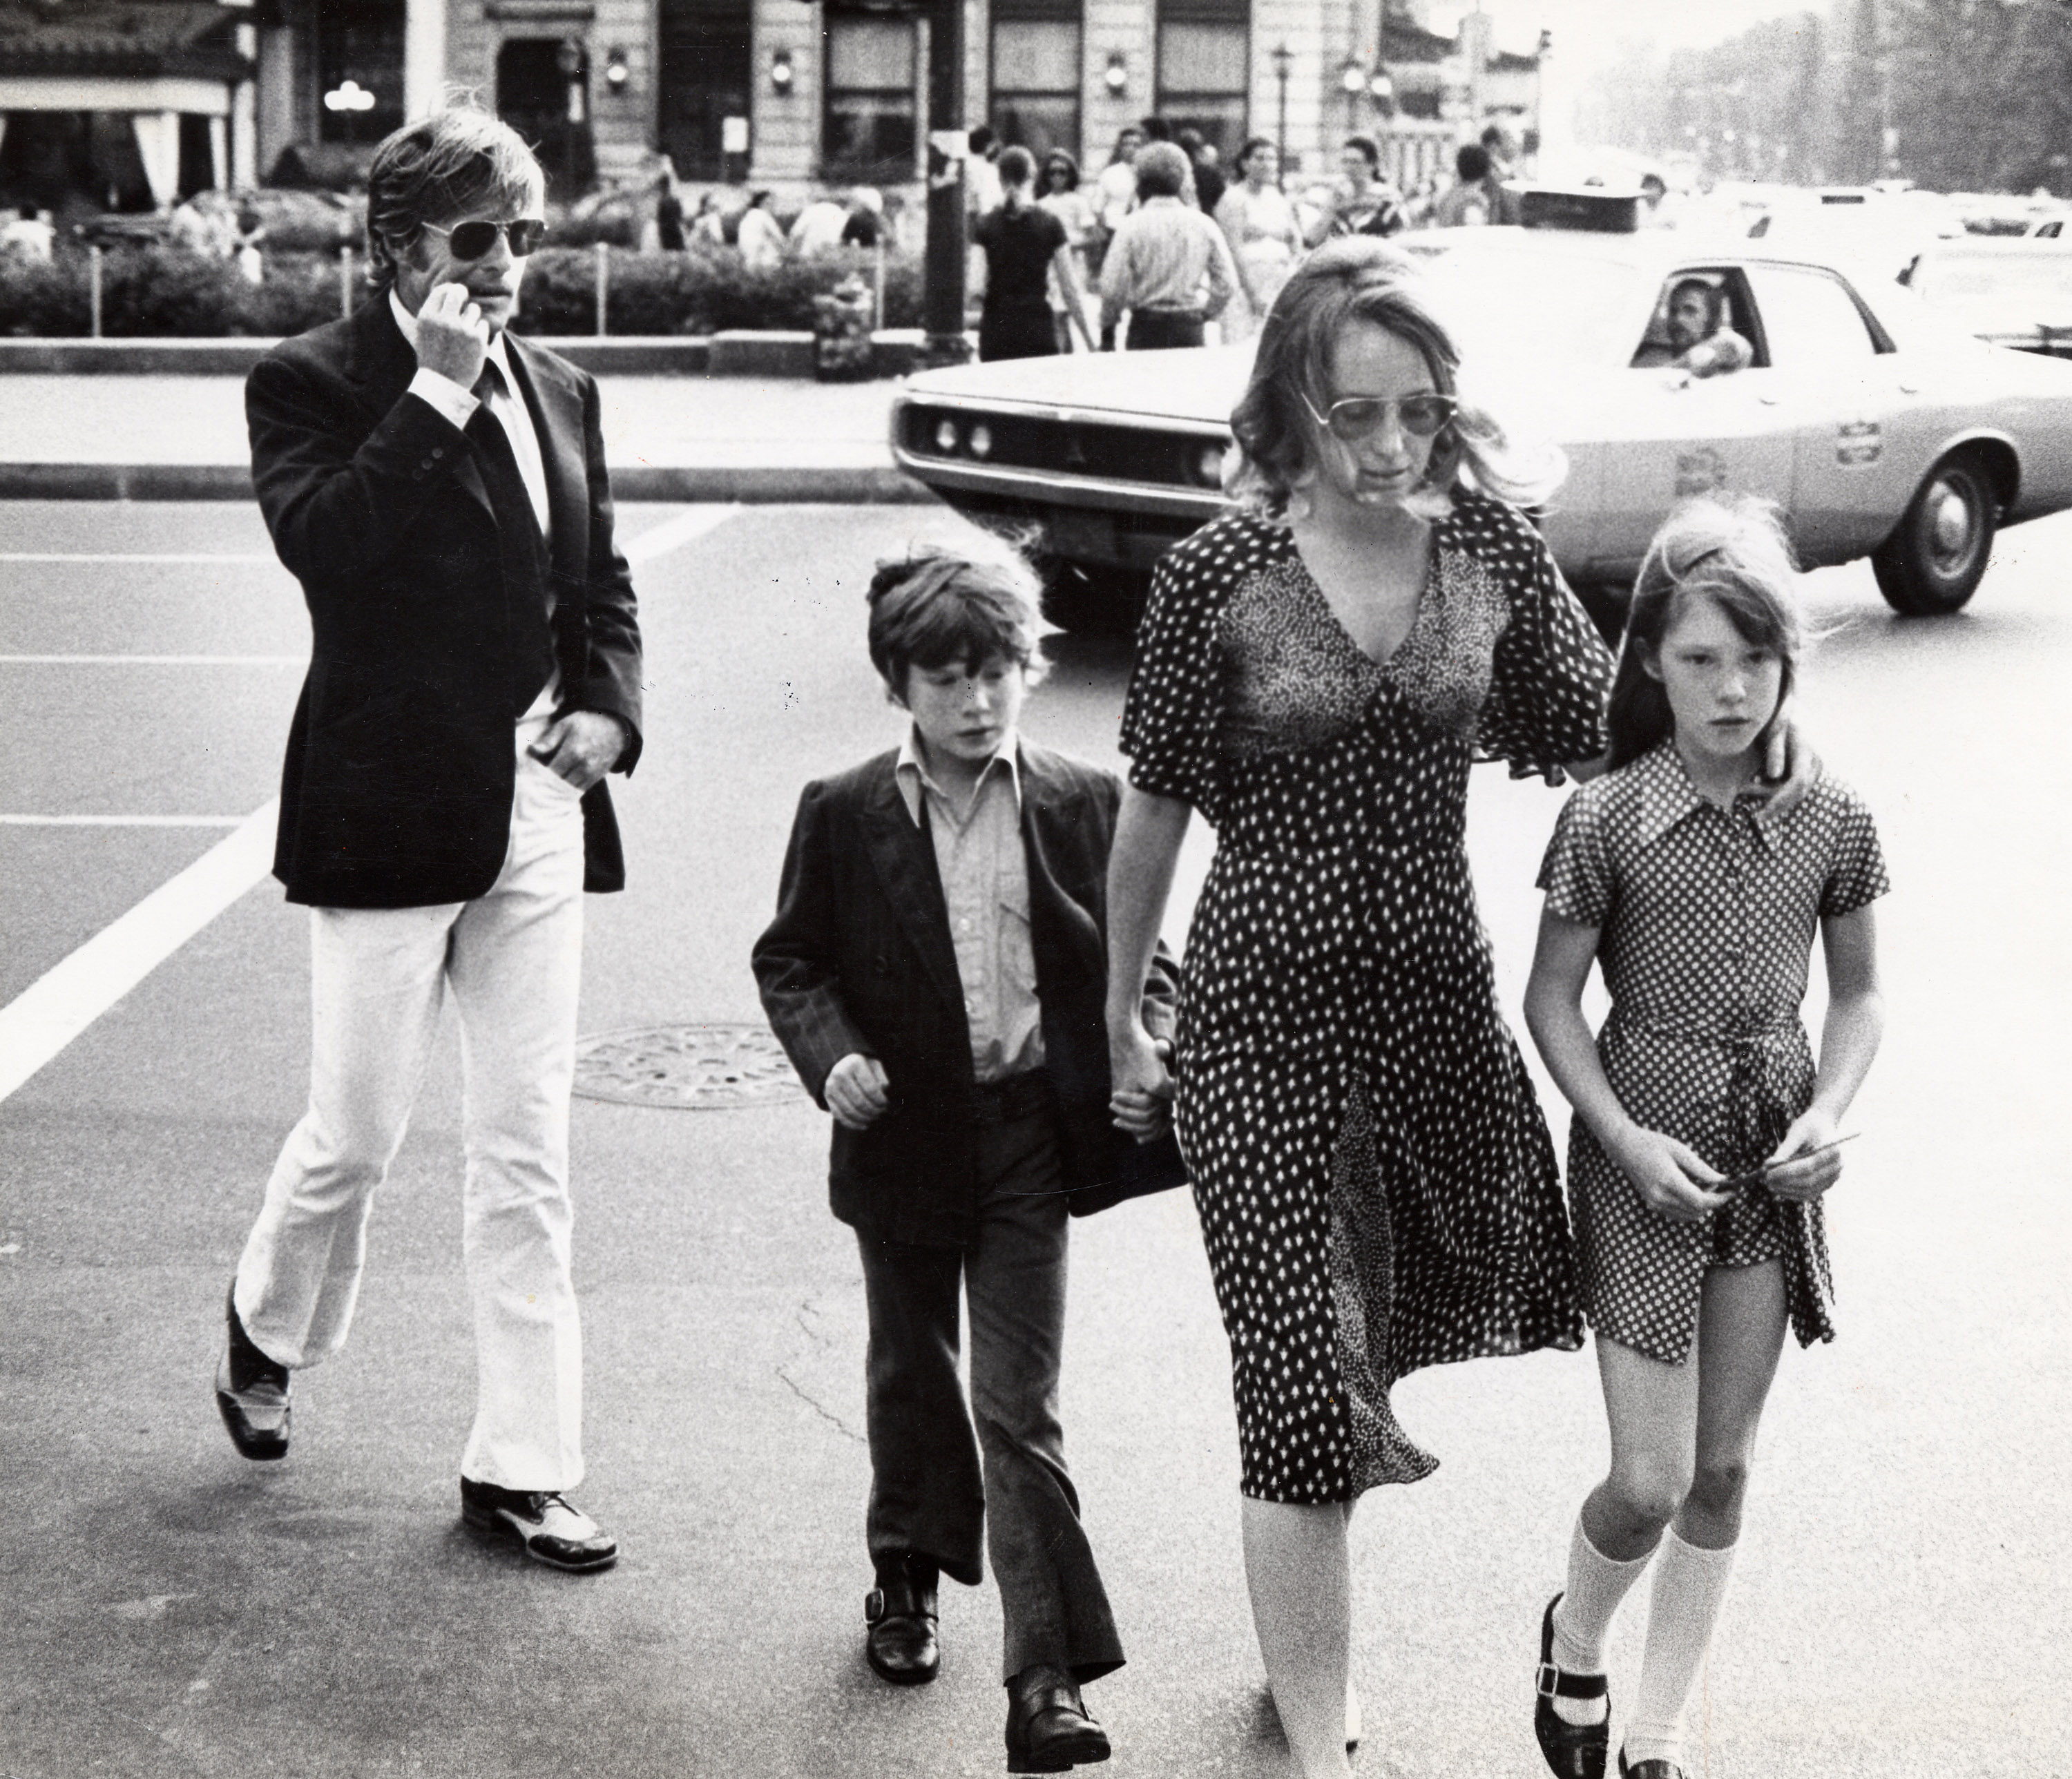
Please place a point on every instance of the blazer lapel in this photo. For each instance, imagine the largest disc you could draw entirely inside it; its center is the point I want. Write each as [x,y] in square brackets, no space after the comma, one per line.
[556,410]
[1051,834]
[901,854]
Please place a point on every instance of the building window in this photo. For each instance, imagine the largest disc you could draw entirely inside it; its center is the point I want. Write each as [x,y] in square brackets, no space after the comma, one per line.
[1036,74]
[360,69]
[870,118]
[1204,68]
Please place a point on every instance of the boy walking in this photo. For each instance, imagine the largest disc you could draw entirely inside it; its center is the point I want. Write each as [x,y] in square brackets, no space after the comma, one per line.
[936,972]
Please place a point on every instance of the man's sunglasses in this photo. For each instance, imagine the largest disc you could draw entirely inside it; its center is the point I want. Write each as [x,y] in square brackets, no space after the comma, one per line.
[470,240]
[1357,418]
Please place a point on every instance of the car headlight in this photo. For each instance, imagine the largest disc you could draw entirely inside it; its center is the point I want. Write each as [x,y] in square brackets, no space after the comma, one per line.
[981,440]
[1209,466]
[947,440]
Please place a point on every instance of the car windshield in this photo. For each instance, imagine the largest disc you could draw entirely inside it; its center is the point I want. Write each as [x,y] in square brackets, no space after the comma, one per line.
[1504,305]
[2006,277]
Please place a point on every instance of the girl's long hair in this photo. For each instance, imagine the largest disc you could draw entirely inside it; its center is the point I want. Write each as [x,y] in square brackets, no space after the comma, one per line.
[1731,550]
[1360,279]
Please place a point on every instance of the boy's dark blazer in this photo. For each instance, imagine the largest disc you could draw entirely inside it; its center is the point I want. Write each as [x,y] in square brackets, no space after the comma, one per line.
[860,958]
[396,788]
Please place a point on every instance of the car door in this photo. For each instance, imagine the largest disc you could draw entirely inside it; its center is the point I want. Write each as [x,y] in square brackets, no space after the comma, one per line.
[1669,435]
[1838,383]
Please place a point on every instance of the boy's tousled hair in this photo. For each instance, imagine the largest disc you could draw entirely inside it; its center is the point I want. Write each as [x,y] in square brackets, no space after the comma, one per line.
[936,606]
[1730,549]
[459,160]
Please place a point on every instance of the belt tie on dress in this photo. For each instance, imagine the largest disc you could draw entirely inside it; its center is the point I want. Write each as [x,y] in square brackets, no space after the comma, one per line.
[1759,1097]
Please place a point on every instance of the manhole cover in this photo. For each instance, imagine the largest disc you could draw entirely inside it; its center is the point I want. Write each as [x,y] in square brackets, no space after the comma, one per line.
[687,1068]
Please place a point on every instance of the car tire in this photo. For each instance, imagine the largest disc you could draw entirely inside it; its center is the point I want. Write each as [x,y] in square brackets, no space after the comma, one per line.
[1089,600]
[1605,603]
[1933,562]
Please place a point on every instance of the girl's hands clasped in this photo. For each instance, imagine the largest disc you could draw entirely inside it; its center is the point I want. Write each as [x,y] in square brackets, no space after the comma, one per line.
[1140,1084]
[1669,1175]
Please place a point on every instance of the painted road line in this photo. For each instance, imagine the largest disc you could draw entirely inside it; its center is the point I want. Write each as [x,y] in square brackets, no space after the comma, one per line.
[58,1006]
[20,556]
[674,533]
[121,821]
[154,660]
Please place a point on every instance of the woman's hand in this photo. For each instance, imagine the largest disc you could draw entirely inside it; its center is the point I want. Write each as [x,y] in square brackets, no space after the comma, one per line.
[1804,1179]
[1669,1175]
[856,1091]
[1140,1098]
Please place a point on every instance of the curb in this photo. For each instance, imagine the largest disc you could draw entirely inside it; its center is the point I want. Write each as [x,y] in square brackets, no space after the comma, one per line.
[750,485]
[737,353]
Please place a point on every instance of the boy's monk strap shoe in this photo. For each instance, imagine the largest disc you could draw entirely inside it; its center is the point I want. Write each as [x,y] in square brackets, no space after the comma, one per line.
[1573,1751]
[252,1394]
[1049,1727]
[901,1645]
[552,1532]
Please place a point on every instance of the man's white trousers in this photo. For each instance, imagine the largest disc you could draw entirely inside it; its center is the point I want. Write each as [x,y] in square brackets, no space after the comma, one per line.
[513,959]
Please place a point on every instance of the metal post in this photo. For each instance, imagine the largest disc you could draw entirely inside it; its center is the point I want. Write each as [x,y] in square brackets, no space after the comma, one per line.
[93,289]
[345,281]
[1284,65]
[603,286]
[944,277]
[878,312]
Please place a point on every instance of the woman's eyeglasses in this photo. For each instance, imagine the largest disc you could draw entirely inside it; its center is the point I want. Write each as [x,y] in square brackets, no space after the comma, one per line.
[1357,418]
[470,240]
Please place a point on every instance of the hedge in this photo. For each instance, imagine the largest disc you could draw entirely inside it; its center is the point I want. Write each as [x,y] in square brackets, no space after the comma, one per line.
[155,292]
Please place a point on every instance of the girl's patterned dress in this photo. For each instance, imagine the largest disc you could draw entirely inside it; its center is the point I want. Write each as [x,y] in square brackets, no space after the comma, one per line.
[1708,919]
[1374,1180]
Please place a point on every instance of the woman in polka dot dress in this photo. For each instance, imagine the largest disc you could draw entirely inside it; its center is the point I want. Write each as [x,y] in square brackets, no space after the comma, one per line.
[1703,1137]
[1316,675]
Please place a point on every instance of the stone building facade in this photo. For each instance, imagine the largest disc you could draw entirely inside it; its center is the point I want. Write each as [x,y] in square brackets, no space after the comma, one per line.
[794,94]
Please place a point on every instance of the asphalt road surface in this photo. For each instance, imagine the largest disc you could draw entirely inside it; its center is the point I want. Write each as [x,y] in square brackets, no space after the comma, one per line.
[168,1609]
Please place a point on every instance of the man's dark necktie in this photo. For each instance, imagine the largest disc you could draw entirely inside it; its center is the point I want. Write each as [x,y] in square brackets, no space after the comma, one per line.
[527,595]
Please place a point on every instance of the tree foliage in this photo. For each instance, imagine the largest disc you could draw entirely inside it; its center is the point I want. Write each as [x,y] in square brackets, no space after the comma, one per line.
[1955,95]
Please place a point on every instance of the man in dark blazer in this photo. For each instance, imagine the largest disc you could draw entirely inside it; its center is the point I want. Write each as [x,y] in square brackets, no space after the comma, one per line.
[438,486]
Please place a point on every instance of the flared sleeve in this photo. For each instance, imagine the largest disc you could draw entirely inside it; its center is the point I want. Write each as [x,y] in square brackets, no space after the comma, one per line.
[1552,670]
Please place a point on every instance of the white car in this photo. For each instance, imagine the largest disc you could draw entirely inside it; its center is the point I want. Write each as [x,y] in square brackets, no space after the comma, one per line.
[1878,428]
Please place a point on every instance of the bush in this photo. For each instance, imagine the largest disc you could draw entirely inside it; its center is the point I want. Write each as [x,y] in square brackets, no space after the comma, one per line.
[157,292]
[702,290]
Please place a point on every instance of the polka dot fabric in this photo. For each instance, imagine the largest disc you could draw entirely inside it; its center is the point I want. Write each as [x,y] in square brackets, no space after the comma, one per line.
[1707,918]
[1376,1184]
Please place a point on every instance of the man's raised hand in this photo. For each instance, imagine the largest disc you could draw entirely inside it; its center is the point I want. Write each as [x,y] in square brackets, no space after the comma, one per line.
[453,338]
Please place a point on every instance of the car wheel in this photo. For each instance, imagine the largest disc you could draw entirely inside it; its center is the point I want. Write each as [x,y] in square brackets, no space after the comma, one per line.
[1093,600]
[1935,561]
[1607,602]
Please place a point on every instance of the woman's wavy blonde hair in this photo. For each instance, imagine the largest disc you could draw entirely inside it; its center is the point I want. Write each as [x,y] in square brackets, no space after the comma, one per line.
[1361,279]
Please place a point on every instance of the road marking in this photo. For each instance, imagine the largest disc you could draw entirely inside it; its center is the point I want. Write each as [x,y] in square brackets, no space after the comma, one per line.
[70,996]
[121,821]
[154,660]
[51,556]
[674,533]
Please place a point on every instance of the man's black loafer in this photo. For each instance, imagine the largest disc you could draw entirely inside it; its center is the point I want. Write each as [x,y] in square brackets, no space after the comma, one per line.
[551,1531]
[901,1644]
[252,1394]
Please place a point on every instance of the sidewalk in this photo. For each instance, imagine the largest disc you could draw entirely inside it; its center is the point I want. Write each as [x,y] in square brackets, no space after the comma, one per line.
[666,438]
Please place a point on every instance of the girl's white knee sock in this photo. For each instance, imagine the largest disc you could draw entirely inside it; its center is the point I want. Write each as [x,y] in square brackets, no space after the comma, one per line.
[1690,1586]
[1597,1585]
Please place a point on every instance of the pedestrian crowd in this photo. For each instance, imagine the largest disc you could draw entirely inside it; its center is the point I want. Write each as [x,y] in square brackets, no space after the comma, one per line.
[964,964]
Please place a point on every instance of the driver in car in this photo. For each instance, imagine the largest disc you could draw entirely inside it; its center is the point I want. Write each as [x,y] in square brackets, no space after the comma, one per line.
[1699,339]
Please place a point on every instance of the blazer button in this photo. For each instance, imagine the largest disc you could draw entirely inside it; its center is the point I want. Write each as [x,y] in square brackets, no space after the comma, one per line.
[438,450]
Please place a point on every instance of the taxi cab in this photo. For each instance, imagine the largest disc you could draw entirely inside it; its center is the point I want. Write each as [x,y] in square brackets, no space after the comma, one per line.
[1879,428]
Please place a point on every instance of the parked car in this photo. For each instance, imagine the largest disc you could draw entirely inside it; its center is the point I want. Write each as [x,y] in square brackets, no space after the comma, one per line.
[1879,428]
[2012,292]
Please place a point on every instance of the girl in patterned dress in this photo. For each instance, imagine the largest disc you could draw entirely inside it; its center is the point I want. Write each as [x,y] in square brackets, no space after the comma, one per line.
[1316,675]
[1702,1138]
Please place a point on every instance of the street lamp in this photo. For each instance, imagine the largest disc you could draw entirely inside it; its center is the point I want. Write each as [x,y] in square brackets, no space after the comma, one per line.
[1352,82]
[1284,65]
